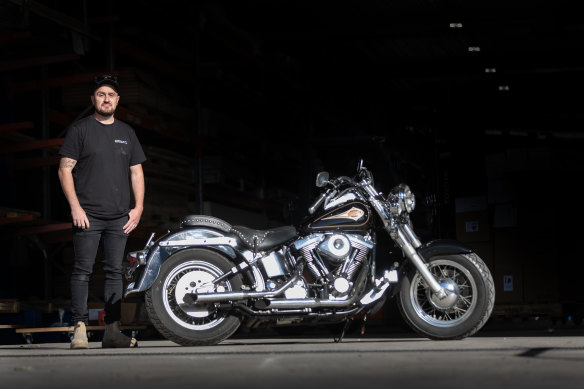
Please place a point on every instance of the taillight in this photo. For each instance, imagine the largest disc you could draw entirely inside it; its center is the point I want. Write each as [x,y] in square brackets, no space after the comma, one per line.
[132,258]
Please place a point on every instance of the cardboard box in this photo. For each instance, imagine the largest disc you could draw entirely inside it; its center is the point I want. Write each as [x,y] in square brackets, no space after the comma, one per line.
[500,191]
[541,284]
[9,306]
[541,272]
[473,226]
[471,204]
[511,253]
[508,283]
[505,216]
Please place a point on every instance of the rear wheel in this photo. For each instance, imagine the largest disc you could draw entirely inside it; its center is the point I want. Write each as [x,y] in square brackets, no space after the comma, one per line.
[191,324]
[465,309]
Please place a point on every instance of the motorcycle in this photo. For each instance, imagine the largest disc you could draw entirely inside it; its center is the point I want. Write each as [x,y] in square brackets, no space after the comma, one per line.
[202,281]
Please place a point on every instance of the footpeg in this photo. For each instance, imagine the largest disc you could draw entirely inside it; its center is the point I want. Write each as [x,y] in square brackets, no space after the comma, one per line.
[391,276]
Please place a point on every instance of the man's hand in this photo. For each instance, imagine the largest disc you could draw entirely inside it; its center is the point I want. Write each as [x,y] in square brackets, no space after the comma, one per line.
[80,219]
[133,221]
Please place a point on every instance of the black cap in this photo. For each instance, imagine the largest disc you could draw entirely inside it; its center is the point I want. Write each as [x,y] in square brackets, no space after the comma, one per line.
[106,79]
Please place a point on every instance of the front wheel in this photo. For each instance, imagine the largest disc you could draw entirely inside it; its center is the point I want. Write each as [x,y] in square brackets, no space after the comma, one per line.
[465,309]
[191,324]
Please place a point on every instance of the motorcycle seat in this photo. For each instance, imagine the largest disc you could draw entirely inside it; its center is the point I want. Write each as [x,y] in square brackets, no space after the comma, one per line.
[262,240]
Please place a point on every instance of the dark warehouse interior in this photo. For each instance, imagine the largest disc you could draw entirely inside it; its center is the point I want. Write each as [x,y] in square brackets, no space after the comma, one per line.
[239,104]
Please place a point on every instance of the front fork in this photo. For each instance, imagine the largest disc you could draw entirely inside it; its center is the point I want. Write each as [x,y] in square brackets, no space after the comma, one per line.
[407,240]
[405,237]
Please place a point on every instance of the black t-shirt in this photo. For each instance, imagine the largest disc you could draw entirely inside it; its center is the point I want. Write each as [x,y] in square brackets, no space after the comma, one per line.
[104,154]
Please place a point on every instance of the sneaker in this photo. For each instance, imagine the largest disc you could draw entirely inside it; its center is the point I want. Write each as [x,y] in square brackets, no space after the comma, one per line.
[80,336]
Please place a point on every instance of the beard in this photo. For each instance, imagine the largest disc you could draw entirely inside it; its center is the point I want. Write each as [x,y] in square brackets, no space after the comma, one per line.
[105,111]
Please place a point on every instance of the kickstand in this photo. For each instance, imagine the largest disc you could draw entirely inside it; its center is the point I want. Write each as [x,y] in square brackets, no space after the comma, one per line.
[342,334]
[363,324]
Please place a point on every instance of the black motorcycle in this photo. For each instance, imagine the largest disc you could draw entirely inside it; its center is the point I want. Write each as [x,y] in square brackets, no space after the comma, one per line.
[203,280]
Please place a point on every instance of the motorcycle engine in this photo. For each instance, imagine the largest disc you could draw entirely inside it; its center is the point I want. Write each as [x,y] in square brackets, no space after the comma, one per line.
[335,249]
[336,258]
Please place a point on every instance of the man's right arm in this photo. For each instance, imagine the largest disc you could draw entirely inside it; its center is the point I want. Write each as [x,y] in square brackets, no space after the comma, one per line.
[66,177]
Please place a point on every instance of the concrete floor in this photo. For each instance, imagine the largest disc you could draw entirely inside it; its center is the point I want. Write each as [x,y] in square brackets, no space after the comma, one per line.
[496,359]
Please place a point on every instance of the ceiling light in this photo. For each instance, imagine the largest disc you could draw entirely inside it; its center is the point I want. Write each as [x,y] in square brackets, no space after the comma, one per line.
[493,132]
[490,70]
[455,25]
[504,87]
[474,48]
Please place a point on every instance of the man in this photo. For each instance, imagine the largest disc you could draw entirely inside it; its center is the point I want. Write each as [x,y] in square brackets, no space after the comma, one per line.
[98,154]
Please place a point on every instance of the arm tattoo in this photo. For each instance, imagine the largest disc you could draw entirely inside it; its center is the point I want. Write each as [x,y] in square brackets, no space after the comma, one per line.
[67,163]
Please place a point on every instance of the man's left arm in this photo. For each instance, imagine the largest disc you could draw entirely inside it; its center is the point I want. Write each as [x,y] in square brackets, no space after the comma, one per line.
[138,187]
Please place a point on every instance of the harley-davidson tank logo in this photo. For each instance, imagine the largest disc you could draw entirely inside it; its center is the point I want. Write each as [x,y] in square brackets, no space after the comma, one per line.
[354,214]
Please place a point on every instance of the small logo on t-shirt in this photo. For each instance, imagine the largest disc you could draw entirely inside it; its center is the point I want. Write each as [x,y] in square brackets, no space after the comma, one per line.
[121,141]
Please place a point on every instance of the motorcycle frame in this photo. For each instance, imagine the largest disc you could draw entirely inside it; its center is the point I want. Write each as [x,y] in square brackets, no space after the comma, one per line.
[209,233]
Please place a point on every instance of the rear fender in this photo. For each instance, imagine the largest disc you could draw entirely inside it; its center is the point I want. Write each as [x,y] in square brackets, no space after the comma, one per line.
[183,239]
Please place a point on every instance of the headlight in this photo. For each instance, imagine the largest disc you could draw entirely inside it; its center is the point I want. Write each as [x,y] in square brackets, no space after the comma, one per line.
[409,199]
[402,199]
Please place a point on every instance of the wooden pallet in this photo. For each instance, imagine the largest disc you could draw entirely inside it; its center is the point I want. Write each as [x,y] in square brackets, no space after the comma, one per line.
[9,305]
[28,332]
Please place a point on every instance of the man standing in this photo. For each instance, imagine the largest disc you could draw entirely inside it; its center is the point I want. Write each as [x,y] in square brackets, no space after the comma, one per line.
[97,156]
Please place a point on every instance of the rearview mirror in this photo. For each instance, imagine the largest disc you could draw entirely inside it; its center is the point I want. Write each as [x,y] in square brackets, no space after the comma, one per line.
[321,179]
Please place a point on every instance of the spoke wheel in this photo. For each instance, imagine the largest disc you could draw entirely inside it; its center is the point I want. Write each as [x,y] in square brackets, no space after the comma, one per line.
[465,308]
[456,306]
[185,323]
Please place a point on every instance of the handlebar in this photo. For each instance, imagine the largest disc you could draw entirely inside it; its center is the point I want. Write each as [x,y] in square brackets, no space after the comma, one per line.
[335,184]
[318,201]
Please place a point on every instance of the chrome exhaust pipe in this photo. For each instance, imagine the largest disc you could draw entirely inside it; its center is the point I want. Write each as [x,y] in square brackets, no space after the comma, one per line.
[234,296]
[304,303]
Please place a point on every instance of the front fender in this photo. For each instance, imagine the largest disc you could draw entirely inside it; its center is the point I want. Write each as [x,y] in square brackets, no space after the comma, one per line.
[427,251]
[442,247]
[162,250]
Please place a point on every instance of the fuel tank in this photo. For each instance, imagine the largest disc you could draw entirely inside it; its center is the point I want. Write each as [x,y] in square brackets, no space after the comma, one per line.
[347,212]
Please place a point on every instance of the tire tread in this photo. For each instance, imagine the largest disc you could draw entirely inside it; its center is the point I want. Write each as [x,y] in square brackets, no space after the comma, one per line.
[158,323]
[490,289]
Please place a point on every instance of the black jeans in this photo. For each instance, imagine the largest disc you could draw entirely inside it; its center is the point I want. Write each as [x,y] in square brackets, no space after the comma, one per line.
[86,243]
